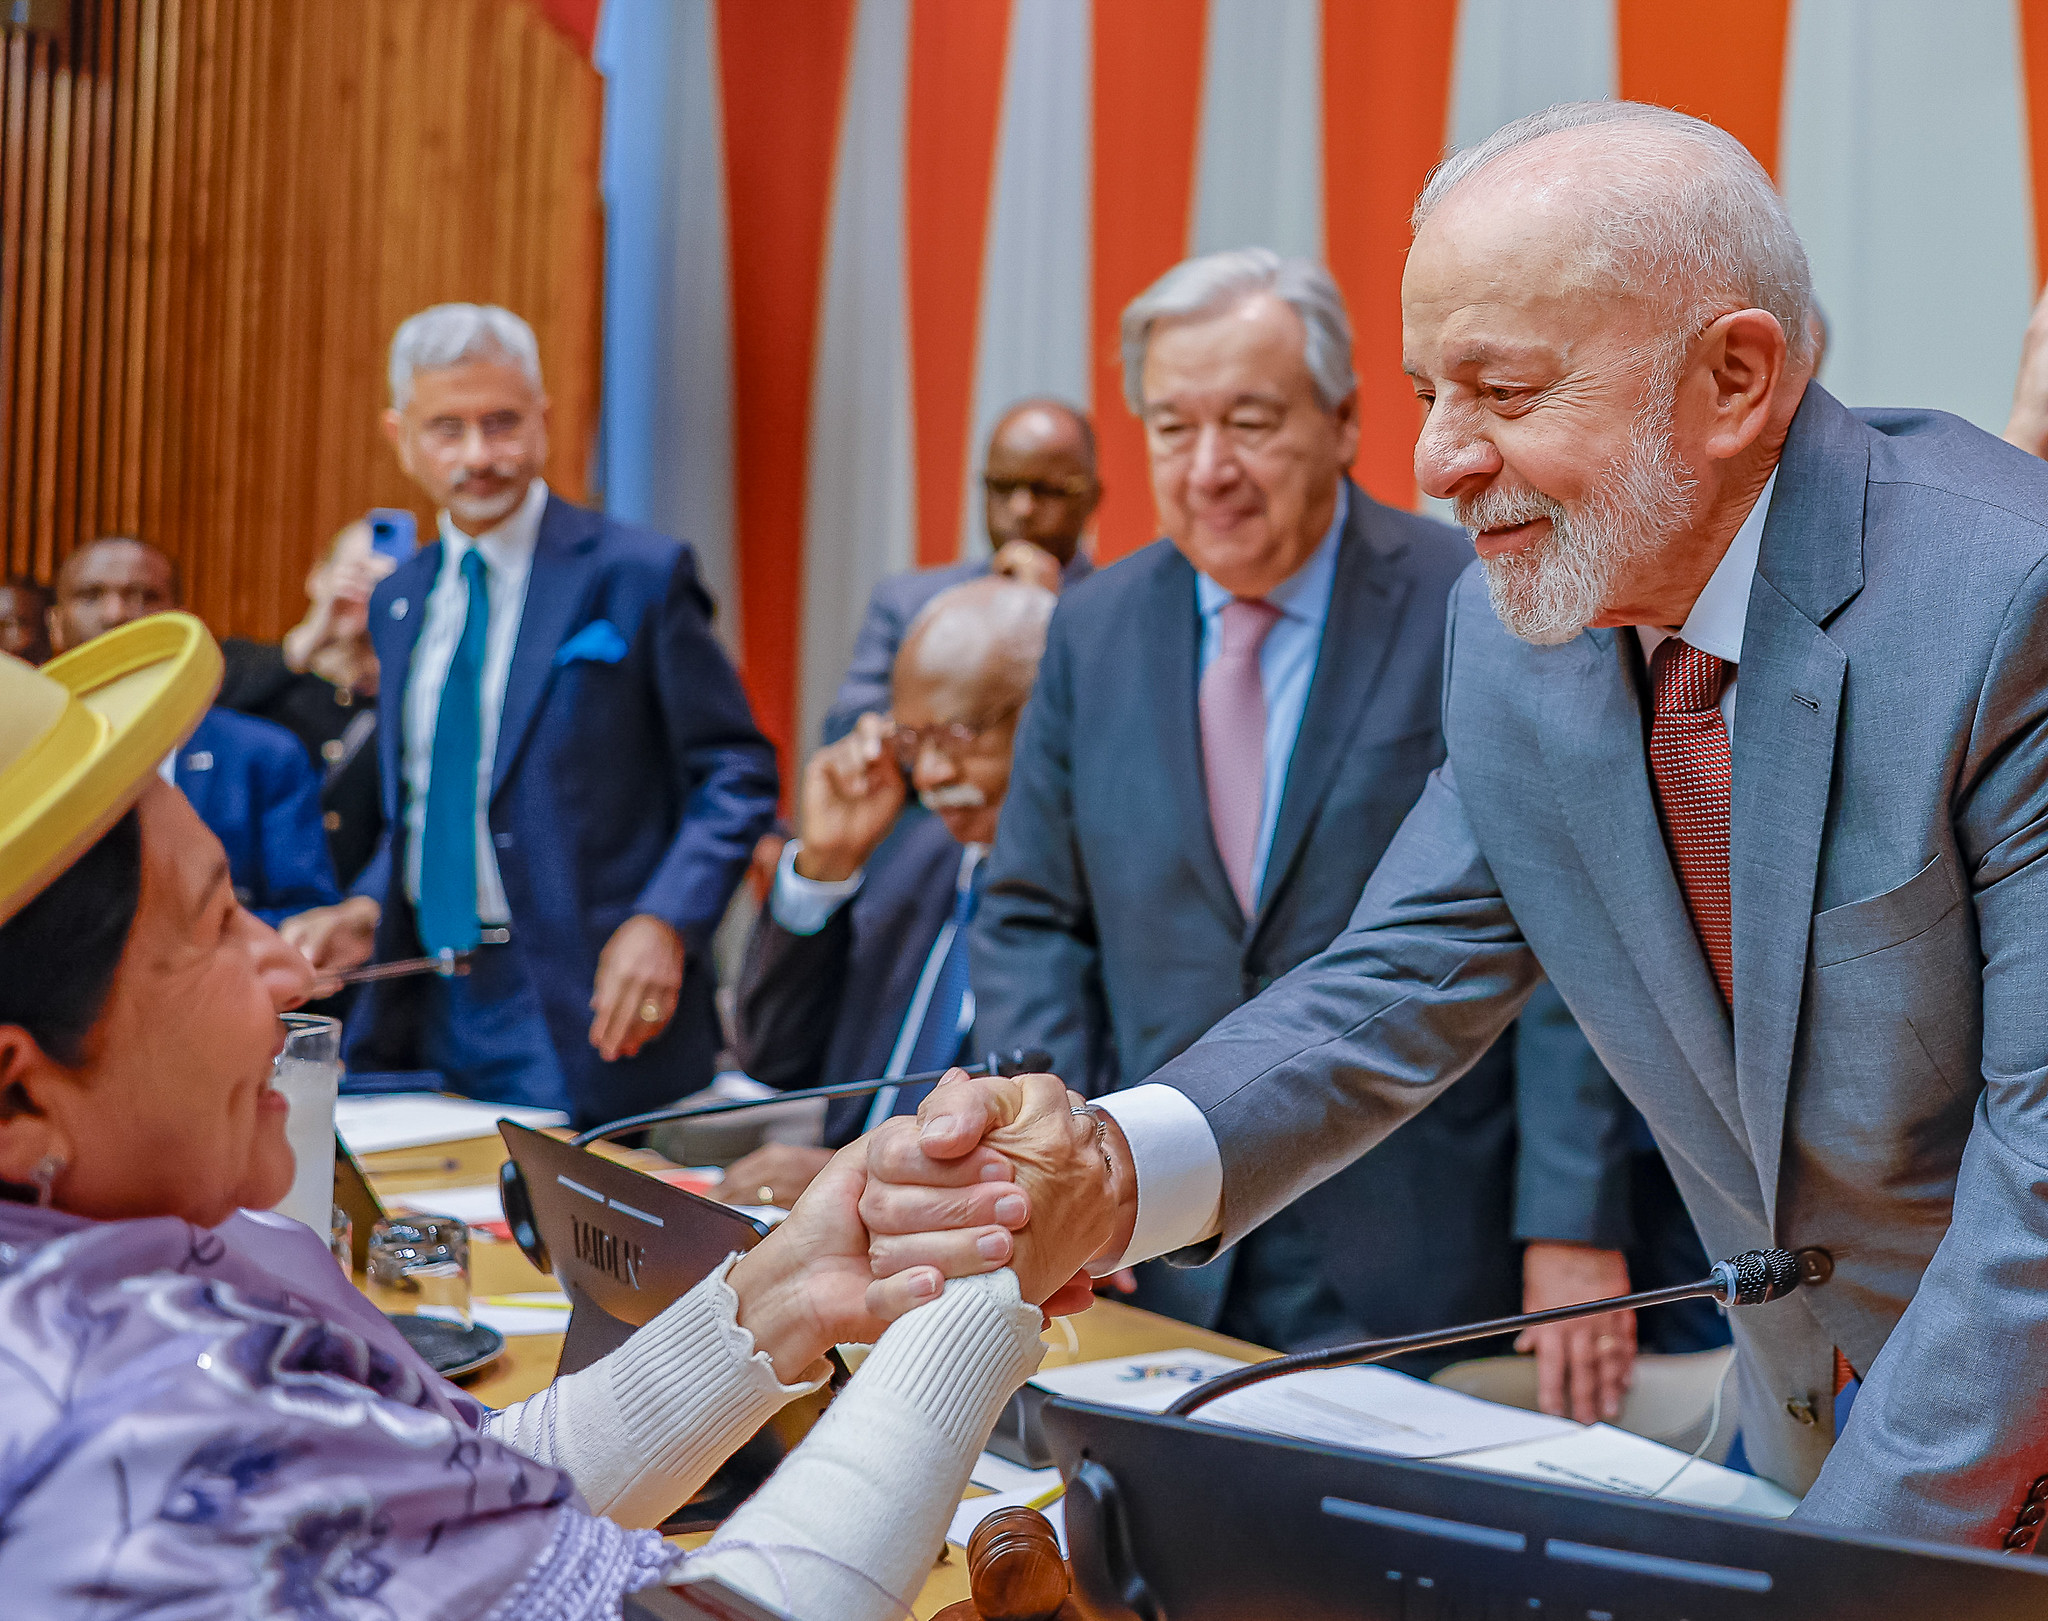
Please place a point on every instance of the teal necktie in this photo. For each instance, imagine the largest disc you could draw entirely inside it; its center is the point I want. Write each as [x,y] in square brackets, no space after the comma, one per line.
[447,909]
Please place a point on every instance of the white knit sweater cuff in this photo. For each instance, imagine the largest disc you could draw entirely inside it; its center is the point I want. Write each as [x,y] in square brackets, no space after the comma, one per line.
[958,1359]
[697,1349]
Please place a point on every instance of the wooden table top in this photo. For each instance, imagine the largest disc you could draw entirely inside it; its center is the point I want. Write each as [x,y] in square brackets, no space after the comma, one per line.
[1109,1329]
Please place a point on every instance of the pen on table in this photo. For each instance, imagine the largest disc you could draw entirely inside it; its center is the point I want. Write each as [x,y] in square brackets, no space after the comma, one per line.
[399,1167]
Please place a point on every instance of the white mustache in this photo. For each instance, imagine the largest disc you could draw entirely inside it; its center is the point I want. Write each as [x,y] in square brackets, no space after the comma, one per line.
[954,796]
[496,471]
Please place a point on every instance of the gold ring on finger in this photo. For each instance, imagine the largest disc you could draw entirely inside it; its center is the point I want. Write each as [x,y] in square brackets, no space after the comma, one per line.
[764,1194]
[650,1011]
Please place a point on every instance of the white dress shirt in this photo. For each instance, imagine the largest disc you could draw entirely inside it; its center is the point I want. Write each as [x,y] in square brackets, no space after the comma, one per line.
[1173,1151]
[507,552]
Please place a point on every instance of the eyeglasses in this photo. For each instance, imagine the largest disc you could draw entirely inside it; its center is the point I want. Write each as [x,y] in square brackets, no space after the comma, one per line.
[953,739]
[1042,489]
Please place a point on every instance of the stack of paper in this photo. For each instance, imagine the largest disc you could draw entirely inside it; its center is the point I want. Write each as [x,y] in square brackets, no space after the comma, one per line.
[1377,1410]
[369,1125]
[1611,1460]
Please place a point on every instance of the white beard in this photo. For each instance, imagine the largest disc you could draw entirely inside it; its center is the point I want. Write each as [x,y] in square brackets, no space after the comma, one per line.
[1550,592]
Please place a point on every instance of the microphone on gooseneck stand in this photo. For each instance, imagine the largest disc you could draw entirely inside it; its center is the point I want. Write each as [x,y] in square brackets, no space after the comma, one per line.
[1749,1279]
[1018,1061]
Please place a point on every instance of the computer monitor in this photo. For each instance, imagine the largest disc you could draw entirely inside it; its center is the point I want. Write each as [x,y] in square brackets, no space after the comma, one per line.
[1197,1521]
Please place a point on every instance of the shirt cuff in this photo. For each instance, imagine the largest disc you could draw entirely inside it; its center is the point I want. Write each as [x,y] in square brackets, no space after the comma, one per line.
[1180,1172]
[805,905]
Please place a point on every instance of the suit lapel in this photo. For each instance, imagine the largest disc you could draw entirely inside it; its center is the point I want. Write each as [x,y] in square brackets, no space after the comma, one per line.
[1788,700]
[1170,629]
[1366,599]
[1592,738]
[555,589]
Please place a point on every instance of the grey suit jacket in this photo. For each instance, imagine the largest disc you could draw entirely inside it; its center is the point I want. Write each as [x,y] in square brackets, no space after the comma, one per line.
[1110,937]
[1882,1089]
[895,602]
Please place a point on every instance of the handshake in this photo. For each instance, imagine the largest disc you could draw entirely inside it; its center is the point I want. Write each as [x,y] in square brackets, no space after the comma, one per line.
[1003,1171]
[1064,1193]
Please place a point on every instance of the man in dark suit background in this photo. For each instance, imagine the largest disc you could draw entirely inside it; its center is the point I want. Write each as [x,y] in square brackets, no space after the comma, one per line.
[249,781]
[1228,728]
[857,967]
[572,779]
[1039,491]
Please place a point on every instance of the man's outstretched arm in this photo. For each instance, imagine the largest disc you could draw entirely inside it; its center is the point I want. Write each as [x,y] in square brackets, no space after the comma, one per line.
[1287,1090]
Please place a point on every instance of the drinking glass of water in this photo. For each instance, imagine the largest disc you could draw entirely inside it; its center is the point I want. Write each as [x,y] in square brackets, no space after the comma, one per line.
[308,1073]
[423,1264]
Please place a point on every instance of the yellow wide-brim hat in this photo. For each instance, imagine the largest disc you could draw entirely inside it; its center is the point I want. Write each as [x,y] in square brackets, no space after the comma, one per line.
[83,736]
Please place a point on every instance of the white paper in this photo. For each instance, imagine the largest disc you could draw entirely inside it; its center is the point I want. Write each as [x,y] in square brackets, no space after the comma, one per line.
[1379,1410]
[472,1205]
[369,1125]
[1145,1384]
[512,1321]
[1607,1459]
[1000,1475]
[974,1510]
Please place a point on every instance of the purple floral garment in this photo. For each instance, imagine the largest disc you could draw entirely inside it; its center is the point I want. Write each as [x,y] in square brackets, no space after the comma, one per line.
[202,1423]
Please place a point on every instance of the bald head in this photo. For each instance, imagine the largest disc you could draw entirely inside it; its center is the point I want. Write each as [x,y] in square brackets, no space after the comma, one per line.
[1649,204]
[981,641]
[108,583]
[1039,477]
[961,676]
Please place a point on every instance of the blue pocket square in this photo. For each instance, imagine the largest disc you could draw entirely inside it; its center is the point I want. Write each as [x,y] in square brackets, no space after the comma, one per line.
[598,641]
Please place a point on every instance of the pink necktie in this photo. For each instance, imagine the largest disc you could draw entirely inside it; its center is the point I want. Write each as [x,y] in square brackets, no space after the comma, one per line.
[1234,741]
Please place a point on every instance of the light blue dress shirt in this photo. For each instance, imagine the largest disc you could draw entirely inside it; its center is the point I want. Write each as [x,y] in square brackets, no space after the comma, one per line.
[1287,662]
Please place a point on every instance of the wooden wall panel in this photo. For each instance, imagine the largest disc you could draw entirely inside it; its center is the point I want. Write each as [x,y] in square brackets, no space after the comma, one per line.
[213,213]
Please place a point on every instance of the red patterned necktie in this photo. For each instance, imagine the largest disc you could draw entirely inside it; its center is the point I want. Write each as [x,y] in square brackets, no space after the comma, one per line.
[1689,760]
[1233,708]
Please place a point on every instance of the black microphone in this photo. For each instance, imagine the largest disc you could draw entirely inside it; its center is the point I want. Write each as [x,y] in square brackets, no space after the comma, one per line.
[1750,1279]
[1018,1061]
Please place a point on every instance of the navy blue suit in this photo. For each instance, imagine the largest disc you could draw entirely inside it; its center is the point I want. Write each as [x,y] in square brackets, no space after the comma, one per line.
[629,778]
[252,785]
[824,1009]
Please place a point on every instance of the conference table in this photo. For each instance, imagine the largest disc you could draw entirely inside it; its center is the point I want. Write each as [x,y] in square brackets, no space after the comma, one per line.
[1109,1329]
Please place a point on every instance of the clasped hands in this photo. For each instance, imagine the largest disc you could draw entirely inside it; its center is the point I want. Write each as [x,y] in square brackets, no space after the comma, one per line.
[992,1173]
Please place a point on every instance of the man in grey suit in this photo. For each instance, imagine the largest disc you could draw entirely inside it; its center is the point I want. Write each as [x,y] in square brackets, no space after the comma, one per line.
[1136,896]
[1039,490]
[1802,926]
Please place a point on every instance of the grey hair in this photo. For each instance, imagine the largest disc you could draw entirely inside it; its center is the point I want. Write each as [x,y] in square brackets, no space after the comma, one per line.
[1689,209]
[1215,281]
[449,333]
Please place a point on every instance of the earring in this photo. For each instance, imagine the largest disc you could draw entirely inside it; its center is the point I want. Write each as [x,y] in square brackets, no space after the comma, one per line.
[45,1175]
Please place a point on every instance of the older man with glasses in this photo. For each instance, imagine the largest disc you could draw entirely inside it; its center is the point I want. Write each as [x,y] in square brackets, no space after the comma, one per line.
[858,966]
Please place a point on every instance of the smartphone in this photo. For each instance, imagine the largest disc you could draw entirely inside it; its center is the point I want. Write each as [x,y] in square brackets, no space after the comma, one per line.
[394,533]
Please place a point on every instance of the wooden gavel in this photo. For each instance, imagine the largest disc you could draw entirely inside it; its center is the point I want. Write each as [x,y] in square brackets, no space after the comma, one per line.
[1014,1572]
